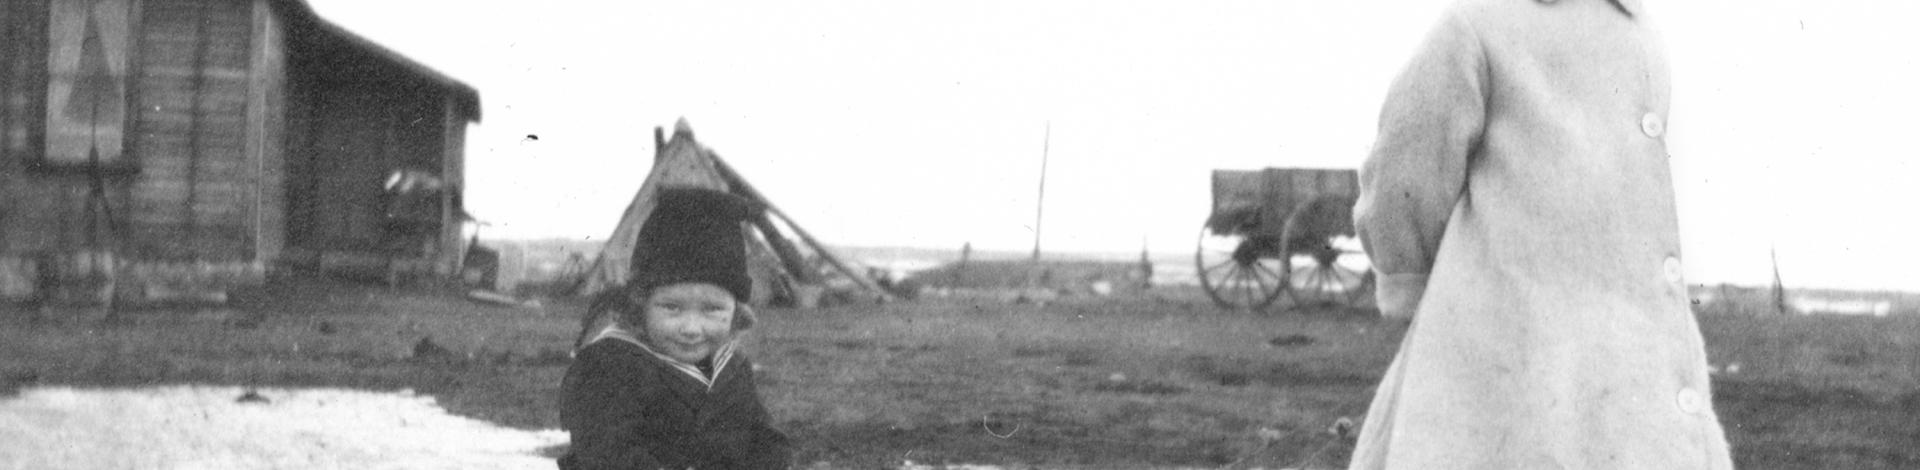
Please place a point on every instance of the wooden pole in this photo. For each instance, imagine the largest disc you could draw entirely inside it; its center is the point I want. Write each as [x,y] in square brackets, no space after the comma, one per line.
[1040,204]
[1779,288]
[740,184]
[782,247]
[659,141]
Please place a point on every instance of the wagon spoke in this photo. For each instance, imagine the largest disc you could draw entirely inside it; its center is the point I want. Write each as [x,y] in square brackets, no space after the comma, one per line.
[1236,284]
[1317,283]
[1217,266]
[1330,289]
[1337,271]
[1247,289]
[1257,289]
[1222,290]
[1229,287]
[1225,277]
[1261,282]
[1358,288]
[1349,278]
[1274,273]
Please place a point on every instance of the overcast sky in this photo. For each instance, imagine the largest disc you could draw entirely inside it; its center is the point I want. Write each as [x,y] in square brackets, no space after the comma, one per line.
[921,123]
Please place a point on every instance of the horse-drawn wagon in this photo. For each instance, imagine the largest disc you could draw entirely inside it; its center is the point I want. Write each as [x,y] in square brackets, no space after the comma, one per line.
[1283,232]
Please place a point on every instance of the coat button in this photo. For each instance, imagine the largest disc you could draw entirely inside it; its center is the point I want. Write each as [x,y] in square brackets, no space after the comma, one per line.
[1653,125]
[1689,401]
[1673,270]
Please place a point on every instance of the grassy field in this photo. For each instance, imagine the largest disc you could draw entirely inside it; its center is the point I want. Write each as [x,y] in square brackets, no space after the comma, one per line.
[1155,380]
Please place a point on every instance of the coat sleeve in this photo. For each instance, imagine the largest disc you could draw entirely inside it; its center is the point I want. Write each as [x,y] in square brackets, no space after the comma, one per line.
[765,448]
[600,406]
[1416,173]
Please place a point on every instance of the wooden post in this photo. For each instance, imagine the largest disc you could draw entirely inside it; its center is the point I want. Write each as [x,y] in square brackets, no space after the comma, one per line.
[959,270]
[1146,266]
[659,141]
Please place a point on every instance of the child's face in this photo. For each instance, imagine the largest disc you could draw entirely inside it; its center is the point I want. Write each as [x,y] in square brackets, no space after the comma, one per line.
[689,321]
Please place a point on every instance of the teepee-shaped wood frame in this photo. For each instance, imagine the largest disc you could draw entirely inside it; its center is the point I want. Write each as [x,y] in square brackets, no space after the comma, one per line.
[778,264]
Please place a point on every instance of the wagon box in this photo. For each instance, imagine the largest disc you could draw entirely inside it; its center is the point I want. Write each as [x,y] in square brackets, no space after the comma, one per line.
[1260,201]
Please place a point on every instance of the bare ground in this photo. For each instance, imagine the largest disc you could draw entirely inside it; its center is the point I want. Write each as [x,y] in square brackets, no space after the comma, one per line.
[1158,380]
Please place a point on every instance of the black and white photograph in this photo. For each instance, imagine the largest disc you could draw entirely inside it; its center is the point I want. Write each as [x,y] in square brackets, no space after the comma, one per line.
[959,235]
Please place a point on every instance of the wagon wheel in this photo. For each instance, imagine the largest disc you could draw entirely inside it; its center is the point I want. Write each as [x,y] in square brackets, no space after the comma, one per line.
[1328,272]
[1240,272]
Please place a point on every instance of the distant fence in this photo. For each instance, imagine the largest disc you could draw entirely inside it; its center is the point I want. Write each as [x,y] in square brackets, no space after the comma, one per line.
[1101,277]
[526,264]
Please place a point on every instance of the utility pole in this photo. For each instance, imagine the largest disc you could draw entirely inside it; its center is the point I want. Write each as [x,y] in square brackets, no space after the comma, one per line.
[1779,288]
[1040,206]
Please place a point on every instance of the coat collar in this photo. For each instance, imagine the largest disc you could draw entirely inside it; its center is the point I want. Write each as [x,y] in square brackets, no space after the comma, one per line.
[721,357]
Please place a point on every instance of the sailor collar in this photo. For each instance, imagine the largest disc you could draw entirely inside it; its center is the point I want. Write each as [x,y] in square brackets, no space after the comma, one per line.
[721,357]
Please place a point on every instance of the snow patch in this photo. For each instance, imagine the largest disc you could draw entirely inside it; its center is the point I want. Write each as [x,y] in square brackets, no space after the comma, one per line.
[205,427]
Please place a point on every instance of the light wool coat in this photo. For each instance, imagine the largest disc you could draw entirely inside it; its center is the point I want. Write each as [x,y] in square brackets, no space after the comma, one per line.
[1518,206]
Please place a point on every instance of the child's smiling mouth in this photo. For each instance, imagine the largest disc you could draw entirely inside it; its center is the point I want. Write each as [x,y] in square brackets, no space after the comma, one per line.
[688,346]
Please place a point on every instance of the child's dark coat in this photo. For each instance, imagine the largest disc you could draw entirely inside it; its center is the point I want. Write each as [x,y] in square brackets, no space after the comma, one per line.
[628,409]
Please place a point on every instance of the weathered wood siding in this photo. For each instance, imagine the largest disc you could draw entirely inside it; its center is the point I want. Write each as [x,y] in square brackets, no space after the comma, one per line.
[255,133]
[205,142]
[43,211]
[201,140]
[16,278]
[37,211]
[453,154]
[267,128]
[198,193]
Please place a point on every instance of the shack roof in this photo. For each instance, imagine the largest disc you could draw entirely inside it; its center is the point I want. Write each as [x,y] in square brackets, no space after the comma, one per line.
[307,31]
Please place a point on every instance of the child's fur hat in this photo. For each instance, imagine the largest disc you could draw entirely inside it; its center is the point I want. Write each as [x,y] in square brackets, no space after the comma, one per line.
[694,235]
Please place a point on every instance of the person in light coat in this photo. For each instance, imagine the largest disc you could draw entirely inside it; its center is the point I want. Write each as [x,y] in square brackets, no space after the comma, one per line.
[1518,207]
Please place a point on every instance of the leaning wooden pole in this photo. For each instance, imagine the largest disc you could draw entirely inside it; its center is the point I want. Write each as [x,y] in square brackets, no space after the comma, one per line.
[1779,288]
[1040,202]
[782,247]
[740,184]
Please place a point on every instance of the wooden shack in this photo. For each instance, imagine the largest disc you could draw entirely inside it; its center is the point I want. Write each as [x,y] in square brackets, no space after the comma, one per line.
[162,145]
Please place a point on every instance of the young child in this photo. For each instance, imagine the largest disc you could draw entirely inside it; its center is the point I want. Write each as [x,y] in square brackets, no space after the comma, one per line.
[664,386]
